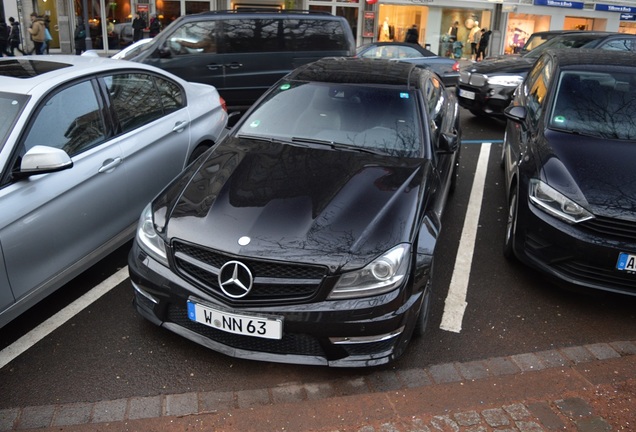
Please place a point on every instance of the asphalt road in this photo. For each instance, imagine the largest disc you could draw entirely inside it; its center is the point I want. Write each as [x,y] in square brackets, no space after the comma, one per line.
[108,352]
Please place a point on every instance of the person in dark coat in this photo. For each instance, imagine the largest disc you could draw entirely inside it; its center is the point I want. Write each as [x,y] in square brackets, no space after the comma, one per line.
[80,37]
[138,26]
[15,37]
[483,44]
[4,38]
[412,35]
[155,26]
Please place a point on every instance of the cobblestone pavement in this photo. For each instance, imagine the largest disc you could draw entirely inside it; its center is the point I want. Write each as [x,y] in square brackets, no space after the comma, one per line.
[589,388]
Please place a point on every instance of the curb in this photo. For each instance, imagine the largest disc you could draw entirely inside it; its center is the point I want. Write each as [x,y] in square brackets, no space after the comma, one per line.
[386,381]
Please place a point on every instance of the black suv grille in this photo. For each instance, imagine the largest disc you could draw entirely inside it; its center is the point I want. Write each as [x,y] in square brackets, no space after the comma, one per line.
[273,282]
[610,228]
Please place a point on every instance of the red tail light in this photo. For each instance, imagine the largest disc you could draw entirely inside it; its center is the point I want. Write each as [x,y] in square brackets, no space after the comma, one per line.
[223,104]
[456,67]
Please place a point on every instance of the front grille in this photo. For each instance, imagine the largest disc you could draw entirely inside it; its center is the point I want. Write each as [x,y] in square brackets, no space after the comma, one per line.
[478,80]
[291,344]
[273,282]
[610,228]
[586,272]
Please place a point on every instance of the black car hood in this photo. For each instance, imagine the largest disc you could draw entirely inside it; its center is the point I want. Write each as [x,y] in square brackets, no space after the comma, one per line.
[503,65]
[311,205]
[596,173]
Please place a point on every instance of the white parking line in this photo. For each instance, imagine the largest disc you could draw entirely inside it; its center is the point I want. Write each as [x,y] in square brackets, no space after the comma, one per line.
[48,326]
[455,304]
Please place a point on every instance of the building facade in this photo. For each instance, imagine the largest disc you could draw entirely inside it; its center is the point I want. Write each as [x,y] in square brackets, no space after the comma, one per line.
[511,21]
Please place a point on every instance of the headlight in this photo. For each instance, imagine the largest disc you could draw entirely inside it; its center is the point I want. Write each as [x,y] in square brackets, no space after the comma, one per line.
[382,275]
[557,204]
[148,239]
[506,80]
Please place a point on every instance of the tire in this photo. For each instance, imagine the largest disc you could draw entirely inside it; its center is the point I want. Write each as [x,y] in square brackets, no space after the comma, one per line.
[197,152]
[511,222]
[425,309]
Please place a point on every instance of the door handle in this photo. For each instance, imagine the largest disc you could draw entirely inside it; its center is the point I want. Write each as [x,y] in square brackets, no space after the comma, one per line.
[214,66]
[179,126]
[234,65]
[110,164]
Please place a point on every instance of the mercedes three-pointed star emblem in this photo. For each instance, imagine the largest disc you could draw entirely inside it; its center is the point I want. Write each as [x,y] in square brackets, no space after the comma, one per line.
[235,279]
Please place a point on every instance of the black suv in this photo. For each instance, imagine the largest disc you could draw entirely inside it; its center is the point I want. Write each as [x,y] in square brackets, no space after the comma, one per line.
[486,88]
[242,53]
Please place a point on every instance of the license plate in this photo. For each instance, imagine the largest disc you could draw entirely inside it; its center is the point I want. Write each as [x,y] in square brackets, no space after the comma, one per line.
[626,262]
[467,94]
[248,325]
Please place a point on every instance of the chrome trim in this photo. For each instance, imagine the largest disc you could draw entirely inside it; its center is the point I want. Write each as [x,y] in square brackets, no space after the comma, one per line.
[144,293]
[365,339]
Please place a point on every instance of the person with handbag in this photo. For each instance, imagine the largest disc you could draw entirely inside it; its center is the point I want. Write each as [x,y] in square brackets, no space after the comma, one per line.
[38,33]
[80,37]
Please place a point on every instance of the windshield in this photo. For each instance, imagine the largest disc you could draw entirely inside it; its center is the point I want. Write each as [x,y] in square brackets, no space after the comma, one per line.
[601,104]
[381,119]
[10,107]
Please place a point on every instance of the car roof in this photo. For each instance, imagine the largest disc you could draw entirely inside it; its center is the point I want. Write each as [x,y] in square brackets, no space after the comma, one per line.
[353,70]
[23,74]
[592,57]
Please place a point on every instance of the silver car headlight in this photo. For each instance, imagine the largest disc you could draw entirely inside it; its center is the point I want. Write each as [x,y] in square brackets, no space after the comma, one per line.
[148,239]
[382,275]
[506,80]
[555,203]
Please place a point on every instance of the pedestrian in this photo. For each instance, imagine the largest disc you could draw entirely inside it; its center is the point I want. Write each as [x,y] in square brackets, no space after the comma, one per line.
[155,26]
[474,44]
[80,36]
[37,32]
[483,44]
[47,35]
[4,38]
[412,35]
[452,31]
[15,37]
[138,26]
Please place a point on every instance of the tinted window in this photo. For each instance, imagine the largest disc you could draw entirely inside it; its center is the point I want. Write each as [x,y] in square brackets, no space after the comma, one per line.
[70,120]
[194,38]
[271,35]
[137,101]
[538,89]
[619,45]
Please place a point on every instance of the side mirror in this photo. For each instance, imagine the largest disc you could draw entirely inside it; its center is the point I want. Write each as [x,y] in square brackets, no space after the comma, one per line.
[164,51]
[448,143]
[516,113]
[43,159]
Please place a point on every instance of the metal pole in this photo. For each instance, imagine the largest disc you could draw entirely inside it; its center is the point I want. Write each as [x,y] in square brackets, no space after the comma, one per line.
[87,25]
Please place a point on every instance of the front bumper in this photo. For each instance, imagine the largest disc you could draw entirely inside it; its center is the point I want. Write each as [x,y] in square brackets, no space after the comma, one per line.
[343,333]
[486,100]
[575,254]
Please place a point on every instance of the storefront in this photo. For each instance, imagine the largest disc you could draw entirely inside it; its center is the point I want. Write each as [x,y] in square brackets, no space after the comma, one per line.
[435,23]
[544,15]
[370,19]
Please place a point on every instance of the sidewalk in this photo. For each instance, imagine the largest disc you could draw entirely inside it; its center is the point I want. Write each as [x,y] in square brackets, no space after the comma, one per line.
[584,389]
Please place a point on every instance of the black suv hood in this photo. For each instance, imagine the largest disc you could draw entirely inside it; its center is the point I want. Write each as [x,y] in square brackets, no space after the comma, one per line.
[311,205]
[503,65]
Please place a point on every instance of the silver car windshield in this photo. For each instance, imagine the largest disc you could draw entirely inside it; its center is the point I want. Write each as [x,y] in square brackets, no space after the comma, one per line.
[10,107]
[379,119]
[601,104]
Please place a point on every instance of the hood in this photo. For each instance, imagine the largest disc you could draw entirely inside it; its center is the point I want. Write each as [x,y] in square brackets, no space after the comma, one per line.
[502,65]
[596,173]
[310,205]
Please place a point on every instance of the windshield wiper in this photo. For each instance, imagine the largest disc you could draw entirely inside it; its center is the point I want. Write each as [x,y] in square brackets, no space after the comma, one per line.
[336,146]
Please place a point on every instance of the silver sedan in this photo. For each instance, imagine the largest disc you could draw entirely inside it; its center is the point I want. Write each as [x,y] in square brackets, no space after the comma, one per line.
[85,143]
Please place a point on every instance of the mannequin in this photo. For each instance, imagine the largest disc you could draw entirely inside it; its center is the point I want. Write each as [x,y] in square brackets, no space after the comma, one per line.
[386,31]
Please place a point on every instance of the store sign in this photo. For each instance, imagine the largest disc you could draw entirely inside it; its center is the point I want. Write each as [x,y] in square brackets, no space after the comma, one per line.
[614,8]
[628,17]
[559,3]
[369,24]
